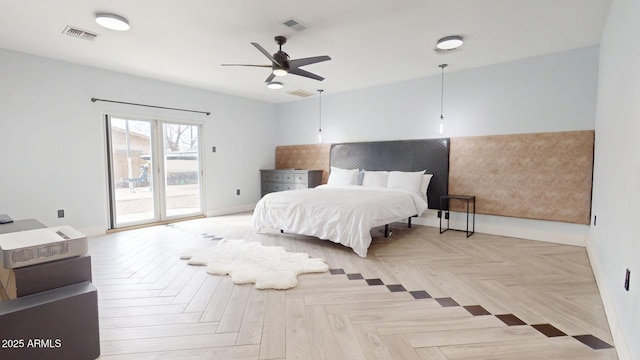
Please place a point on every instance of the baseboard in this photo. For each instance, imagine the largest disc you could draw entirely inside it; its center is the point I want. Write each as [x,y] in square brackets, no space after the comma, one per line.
[612,316]
[231,210]
[540,230]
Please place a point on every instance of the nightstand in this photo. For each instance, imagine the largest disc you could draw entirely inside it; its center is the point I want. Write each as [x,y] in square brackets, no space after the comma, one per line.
[444,212]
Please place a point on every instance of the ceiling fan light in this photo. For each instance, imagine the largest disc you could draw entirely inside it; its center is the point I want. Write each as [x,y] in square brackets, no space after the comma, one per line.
[449,42]
[274,85]
[279,72]
[112,21]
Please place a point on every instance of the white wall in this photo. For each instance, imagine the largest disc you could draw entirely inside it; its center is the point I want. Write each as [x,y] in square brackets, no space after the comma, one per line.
[549,93]
[543,94]
[52,148]
[613,242]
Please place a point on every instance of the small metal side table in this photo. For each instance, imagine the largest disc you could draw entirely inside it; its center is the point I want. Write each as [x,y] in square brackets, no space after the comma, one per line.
[468,199]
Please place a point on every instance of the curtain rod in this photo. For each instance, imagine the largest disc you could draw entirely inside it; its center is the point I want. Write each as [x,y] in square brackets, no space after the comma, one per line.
[153,106]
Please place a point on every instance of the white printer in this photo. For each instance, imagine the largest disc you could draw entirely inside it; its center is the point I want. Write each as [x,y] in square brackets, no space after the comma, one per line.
[23,248]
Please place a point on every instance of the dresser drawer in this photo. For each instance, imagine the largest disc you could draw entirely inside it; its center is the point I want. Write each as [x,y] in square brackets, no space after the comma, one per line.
[266,177]
[287,177]
[301,179]
[268,187]
[277,177]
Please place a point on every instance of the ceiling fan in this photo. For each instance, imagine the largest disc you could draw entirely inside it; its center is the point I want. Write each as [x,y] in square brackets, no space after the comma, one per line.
[281,65]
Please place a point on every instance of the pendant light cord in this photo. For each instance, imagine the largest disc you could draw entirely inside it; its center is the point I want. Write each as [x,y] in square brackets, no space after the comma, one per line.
[442,66]
[320,110]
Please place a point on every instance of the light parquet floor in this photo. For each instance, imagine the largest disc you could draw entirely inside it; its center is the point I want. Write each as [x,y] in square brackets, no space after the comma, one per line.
[418,295]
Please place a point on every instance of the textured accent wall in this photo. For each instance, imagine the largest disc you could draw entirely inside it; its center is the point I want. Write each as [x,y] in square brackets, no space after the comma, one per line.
[307,157]
[546,176]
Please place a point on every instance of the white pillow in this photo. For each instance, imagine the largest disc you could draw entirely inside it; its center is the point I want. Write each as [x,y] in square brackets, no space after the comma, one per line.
[342,177]
[410,181]
[426,179]
[375,178]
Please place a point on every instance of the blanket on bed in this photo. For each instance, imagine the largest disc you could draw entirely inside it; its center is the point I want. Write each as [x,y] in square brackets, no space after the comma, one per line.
[342,214]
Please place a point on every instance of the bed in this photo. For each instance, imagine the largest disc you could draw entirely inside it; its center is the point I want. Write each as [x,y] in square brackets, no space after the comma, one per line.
[370,184]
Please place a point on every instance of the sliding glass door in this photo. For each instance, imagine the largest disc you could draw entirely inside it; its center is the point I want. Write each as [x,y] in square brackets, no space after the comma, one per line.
[181,170]
[155,171]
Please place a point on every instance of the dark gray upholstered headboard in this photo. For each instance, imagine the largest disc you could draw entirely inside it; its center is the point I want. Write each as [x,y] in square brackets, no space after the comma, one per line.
[431,155]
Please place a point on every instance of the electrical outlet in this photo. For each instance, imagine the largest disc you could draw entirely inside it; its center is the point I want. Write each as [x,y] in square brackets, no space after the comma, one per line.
[237,191]
[626,279]
[60,214]
[213,149]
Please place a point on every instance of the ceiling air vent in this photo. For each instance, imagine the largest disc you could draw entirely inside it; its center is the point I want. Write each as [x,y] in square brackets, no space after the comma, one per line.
[293,24]
[79,33]
[301,93]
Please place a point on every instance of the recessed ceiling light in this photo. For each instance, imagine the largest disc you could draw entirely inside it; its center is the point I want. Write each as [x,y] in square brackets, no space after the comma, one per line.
[449,42]
[112,21]
[274,85]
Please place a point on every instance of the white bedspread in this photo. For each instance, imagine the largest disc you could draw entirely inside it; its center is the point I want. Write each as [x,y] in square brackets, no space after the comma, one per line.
[342,214]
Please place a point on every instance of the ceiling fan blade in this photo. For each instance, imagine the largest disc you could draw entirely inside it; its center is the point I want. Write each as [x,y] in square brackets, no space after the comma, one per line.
[246,65]
[262,50]
[305,73]
[271,76]
[307,61]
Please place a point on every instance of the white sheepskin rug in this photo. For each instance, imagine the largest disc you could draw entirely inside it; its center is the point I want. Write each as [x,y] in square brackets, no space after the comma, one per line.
[269,267]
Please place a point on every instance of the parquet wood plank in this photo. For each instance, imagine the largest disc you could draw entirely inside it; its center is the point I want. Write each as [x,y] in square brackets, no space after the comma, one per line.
[232,317]
[548,348]
[218,302]
[434,325]
[251,328]
[371,342]
[198,291]
[249,352]
[381,305]
[399,347]
[345,337]
[497,334]
[297,331]
[148,320]
[169,343]
[321,337]
[173,288]
[144,332]
[427,314]
[273,330]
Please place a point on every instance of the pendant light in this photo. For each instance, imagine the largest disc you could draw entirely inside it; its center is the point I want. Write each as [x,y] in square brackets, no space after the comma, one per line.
[320,116]
[442,66]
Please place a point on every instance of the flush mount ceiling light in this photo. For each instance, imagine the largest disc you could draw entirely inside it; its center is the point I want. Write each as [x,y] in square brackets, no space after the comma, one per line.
[449,42]
[274,85]
[112,21]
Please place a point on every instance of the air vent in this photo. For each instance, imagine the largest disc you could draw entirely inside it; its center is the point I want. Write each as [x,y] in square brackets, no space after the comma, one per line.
[293,24]
[301,93]
[79,33]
